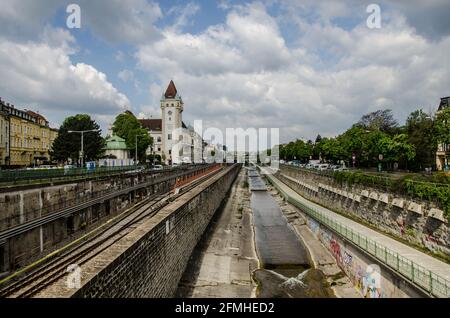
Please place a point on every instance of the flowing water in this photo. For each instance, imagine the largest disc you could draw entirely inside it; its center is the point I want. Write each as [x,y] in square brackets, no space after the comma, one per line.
[285,269]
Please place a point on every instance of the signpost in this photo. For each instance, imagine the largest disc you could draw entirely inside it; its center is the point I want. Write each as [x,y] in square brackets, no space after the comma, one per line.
[380,165]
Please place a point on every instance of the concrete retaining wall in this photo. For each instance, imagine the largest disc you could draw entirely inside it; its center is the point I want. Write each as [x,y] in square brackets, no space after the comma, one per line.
[371,278]
[151,260]
[26,205]
[418,222]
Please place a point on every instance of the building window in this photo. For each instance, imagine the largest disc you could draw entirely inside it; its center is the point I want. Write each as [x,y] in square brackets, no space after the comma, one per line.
[159,148]
[170,118]
[169,137]
[159,139]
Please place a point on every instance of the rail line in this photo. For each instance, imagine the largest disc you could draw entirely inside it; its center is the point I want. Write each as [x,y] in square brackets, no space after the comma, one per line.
[43,273]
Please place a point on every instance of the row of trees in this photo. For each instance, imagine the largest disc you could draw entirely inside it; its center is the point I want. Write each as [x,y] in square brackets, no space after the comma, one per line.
[412,146]
[126,125]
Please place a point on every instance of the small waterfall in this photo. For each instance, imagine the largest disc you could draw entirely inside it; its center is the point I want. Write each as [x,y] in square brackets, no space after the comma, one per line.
[292,283]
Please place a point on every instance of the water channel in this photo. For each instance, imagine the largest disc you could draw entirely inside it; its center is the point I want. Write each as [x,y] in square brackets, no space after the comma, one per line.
[285,267]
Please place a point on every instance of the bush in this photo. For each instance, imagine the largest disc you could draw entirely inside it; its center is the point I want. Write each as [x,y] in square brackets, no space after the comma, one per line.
[416,186]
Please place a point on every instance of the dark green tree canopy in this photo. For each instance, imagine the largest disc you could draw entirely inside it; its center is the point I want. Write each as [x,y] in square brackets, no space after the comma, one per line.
[382,120]
[127,126]
[68,145]
[420,130]
[442,129]
[412,146]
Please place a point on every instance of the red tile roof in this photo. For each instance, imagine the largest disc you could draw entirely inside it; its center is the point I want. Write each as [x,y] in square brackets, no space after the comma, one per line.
[171,90]
[151,124]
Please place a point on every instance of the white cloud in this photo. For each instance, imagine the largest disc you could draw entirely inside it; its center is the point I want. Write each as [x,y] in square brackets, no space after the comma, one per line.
[183,15]
[249,41]
[42,77]
[242,73]
[115,21]
[118,21]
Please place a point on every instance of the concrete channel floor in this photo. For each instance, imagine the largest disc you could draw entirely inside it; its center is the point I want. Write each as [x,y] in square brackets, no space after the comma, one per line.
[222,263]
[420,258]
[320,256]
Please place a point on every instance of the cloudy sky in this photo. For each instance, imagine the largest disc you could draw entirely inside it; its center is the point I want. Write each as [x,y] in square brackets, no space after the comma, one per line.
[305,66]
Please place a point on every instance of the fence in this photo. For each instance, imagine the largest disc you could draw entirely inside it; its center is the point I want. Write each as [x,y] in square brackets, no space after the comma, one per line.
[429,281]
[36,212]
[30,176]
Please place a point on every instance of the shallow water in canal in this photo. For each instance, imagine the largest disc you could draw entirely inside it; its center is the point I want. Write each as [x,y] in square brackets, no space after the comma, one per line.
[285,269]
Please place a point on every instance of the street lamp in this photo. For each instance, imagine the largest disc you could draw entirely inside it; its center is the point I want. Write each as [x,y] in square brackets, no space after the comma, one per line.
[135,137]
[82,141]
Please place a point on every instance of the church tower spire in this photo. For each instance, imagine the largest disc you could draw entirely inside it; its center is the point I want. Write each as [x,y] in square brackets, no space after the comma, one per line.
[171,108]
[171,91]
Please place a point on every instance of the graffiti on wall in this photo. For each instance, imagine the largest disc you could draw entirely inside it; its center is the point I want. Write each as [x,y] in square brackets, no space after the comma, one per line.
[366,279]
[314,226]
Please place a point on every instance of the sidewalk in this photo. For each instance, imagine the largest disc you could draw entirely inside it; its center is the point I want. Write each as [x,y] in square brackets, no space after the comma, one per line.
[428,262]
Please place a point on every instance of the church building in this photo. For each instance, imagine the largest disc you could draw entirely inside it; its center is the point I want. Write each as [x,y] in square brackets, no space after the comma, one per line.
[172,139]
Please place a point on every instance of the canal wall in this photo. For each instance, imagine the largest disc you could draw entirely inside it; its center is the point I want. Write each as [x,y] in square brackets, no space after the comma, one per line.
[21,206]
[150,261]
[371,278]
[417,222]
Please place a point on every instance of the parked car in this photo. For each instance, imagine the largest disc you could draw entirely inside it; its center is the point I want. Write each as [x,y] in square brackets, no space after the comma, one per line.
[157,167]
[322,167]
[341,169]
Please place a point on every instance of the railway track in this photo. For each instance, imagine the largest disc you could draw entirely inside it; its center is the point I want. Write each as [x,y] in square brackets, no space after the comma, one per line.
[37,278]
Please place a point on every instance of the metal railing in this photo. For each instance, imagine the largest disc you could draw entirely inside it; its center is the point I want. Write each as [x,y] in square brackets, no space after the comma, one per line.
[30,176]
[82,197]
[426,279]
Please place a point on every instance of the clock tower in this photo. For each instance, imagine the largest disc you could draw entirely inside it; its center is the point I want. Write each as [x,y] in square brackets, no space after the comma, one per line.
[171,109]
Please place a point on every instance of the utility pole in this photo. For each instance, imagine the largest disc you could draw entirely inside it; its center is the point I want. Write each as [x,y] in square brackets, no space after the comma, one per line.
[136,151]
[82,142]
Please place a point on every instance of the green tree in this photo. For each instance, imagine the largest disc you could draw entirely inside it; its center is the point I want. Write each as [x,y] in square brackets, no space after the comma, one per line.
[382,120]
[420,129]
[296,150]
[397,149]
[351,143]
[442,126]
[68,145]
[127,126]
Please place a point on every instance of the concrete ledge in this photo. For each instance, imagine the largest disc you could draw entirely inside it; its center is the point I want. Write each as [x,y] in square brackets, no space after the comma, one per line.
[399,203]
[373,196]
[384,197]
[365,193]
[416,208]
[437,214]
